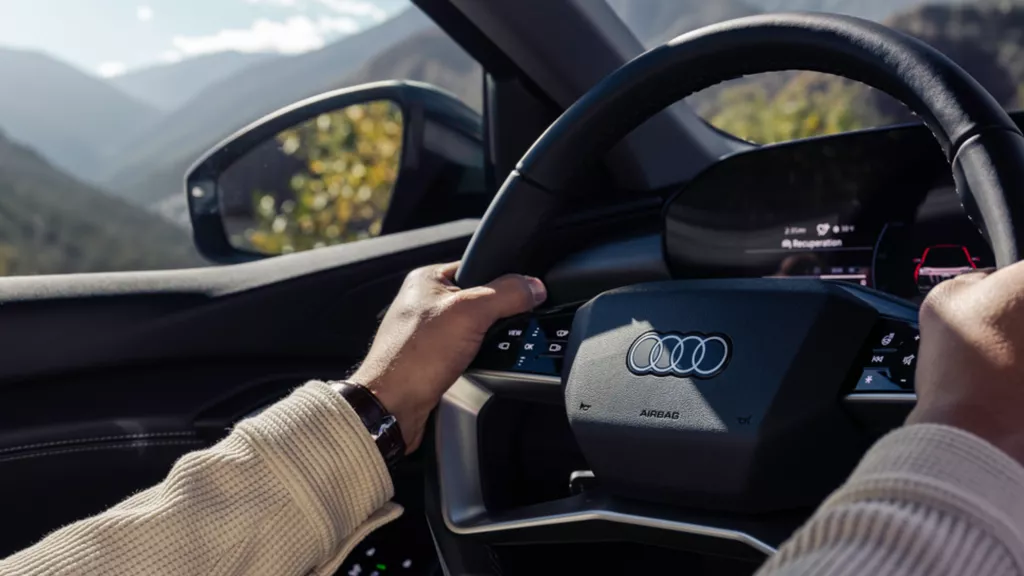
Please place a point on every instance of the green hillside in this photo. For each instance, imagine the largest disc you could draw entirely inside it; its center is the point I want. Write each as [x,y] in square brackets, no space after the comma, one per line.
[51,223]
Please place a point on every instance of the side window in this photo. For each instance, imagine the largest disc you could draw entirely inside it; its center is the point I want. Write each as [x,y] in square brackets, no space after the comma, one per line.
[95,182]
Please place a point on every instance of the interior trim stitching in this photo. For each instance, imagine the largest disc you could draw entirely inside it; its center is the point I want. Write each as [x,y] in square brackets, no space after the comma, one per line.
[139,436]
[143,444]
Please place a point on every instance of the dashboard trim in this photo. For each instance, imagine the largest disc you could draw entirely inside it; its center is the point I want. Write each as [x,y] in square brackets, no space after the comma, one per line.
[510,378]
[881,398]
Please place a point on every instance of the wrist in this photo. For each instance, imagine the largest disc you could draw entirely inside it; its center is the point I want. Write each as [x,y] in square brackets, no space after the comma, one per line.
[977,420]
[411,419]
[382,426]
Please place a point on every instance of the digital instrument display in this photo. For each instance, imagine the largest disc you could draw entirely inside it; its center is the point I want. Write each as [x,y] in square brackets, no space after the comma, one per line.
[876,208]
[944,245]
[809,209]
[827,249]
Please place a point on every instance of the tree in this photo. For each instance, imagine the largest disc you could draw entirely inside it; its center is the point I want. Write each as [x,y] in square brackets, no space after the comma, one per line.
[809,104]
[349,162]
[985,38]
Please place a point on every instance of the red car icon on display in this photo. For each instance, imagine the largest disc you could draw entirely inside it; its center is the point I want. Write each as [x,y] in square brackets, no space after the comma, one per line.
[942,262]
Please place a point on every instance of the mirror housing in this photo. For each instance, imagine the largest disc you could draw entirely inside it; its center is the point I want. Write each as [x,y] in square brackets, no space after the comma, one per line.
[440,169]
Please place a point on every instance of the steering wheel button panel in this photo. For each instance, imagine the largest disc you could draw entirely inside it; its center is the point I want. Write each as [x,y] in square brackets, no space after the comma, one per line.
[875,380]
[892,334]
[891,358]
[529,344]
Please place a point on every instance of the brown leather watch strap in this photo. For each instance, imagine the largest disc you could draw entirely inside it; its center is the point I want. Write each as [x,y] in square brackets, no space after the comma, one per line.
[378,421]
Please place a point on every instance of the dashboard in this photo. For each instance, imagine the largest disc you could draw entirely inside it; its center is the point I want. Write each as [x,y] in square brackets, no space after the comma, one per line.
[877,208]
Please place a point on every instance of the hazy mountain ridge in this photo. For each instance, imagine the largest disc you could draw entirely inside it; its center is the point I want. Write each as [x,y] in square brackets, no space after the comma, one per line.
[429,56]
[52,223]
[657,21]
[870,9]
[179,138]
[76,120]
[167,87]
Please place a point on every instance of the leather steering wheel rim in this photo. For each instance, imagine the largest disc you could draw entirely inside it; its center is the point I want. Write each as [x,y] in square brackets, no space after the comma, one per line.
[984,147]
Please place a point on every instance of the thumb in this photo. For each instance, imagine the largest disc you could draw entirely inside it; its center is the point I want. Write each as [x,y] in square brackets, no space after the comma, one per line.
[506,296]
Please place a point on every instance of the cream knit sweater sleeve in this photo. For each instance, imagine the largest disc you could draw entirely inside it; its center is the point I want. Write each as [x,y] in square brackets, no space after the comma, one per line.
[288,492]
[925,500]
[291,491]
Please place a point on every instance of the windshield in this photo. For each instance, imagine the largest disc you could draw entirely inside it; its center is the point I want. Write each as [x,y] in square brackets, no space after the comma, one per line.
[985,37]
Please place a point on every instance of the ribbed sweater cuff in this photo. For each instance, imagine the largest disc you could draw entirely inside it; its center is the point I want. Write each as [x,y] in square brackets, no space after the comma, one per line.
[315,444]
[946,469]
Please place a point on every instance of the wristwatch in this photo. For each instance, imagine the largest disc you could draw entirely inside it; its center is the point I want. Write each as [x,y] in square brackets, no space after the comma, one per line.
[381,425]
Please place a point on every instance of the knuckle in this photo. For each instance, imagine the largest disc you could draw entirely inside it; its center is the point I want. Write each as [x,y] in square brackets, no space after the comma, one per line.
[419,274]
[935,299]
[944,295]
[928,309]
[515,286]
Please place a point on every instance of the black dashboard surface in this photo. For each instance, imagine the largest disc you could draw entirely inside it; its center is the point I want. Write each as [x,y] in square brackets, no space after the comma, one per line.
[876,207]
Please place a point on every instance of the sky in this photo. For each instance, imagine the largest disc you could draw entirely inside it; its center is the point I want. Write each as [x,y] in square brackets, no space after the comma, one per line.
[110,37]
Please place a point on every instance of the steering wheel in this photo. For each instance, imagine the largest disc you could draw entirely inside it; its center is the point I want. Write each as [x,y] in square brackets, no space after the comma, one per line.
[721,450]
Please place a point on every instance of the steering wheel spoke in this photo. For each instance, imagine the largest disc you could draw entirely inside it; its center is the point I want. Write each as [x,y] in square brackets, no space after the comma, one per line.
[588,516]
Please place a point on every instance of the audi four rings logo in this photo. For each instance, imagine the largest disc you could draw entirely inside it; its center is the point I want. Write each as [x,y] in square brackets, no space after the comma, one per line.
[691,354]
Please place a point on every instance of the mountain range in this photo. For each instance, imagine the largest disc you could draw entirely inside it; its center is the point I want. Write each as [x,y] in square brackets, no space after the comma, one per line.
[169,86]
[657,21]
[152,166]
[78,121]
[52,223]
[135,135]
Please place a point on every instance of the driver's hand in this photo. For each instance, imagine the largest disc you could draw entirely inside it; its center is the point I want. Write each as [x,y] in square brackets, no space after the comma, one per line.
[430,335]
[970,372]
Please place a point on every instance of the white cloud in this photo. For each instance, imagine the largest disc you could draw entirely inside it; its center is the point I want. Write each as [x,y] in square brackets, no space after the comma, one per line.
[111,69]
[170,56]
[359,8]
[301,32]
[341,24]
[144,13]
[295,35]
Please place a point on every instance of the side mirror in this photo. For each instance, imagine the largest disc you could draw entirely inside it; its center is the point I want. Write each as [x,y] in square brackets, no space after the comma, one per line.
[347,165]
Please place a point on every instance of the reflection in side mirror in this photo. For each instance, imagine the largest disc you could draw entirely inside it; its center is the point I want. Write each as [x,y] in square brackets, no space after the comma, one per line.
[349,164]
[327,180]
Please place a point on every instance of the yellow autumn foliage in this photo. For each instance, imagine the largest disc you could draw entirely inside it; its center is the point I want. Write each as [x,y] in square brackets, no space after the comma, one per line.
[350,160]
